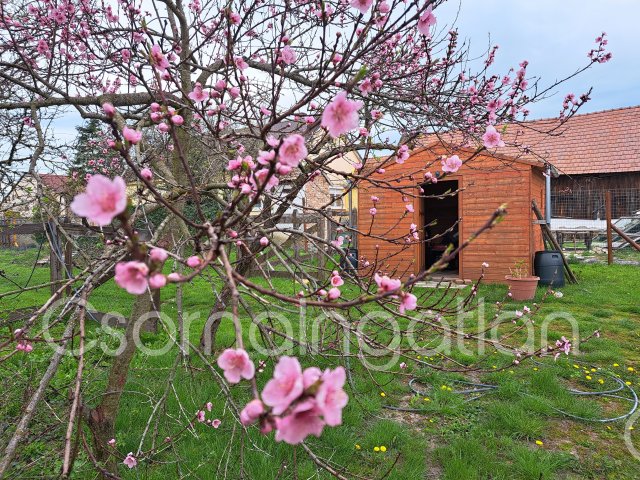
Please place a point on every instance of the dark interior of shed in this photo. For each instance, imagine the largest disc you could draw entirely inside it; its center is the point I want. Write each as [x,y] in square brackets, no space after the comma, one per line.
[440,210]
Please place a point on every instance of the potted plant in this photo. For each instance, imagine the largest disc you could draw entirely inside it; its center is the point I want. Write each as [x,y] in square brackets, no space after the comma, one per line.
[522,285]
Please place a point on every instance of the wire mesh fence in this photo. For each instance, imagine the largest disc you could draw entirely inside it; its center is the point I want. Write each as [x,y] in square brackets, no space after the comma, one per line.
[587,204]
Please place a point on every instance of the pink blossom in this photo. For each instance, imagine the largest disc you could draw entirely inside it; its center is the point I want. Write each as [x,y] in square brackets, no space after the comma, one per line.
[336,280]
[112,442]
[235,18]
[158,60]
[303,421]
[43,48]
[200,416]
[209,406]
[408,301]
[386,284]
[338,242]
[132,276]
[331,397]
[285,386]
[198,94]
[130,461]
[147,174]
[427,19]
[409,208]
[236,365]
[174,277]
[334,293]
[341,115]
[485,265]
[288,55]
[24,346]
[451,164]
[177,120]
[132,136]
[310,376]
[251,412]
[491,138]
[403,365]
[102,200]
[158,254]
[373,211]
[108,109]
[157,280]
[264,241]
[292,150]
[215,423]
[193,261]
[361,5]
[240,63]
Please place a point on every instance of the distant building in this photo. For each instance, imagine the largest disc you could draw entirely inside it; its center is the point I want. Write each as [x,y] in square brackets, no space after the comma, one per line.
[592,153]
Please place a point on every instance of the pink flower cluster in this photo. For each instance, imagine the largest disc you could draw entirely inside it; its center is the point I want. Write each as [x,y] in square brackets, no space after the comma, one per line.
[165,117]
[23,344]
[370,84]
[294,402]
[135,276]
[403,154]
[408,301]
[563,345]
[249,176]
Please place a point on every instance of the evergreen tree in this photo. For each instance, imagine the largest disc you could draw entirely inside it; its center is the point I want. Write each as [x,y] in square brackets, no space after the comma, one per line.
[92,154]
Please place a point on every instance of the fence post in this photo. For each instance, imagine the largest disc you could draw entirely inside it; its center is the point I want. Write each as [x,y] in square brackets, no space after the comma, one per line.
[607,207]
[55,270]
[321,246]
[68,262]
[296,224]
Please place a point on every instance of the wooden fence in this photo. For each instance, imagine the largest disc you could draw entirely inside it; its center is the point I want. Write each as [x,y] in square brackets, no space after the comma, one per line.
[274,262]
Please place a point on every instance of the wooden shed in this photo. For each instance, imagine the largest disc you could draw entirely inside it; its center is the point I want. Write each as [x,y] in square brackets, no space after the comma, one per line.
[451,209]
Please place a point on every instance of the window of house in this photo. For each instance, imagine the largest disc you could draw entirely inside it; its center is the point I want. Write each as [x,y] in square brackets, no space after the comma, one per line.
[337,198]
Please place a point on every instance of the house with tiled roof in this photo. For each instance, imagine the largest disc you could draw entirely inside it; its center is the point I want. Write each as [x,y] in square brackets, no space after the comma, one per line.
[591,153]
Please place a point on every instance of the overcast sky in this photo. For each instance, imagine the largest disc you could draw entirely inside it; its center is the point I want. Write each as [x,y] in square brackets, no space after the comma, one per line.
[555,36]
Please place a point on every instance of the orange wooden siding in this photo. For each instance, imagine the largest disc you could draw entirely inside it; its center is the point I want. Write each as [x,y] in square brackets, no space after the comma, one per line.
[487,183]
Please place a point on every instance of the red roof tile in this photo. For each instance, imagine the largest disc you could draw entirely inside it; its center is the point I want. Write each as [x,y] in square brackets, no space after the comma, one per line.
[598,142]
[57,183]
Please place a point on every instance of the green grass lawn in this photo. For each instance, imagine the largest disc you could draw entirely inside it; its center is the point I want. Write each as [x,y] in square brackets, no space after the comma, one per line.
[514,431]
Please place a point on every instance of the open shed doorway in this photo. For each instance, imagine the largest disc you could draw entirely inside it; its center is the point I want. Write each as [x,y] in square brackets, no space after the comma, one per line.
[441,215]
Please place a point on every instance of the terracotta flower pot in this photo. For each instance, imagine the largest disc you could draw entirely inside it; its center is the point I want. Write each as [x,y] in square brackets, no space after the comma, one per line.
[522,288]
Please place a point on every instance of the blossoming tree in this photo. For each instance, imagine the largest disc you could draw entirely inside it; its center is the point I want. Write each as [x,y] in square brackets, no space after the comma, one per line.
[224,102]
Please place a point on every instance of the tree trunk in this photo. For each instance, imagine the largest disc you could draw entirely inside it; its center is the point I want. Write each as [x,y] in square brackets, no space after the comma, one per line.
[102,418]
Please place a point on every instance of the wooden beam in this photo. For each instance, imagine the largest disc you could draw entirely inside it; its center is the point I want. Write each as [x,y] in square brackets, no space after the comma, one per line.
[626,237]
[607,204]
[546,232]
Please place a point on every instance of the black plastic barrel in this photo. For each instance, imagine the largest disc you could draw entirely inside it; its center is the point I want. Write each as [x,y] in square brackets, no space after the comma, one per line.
[350,263]
[548,266]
